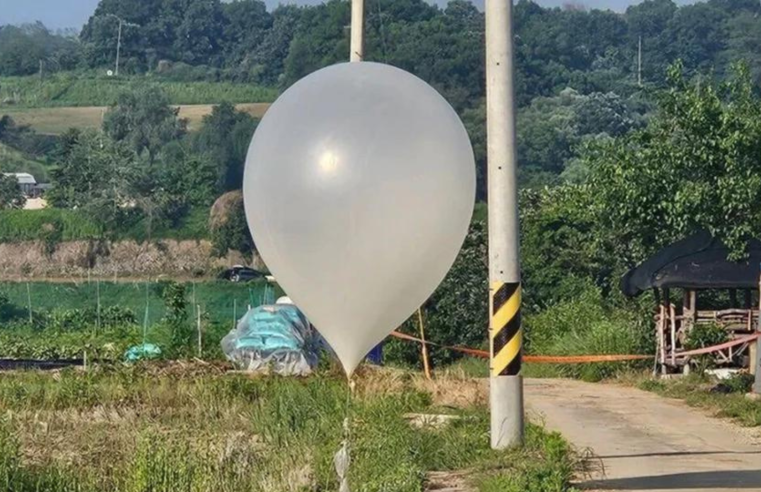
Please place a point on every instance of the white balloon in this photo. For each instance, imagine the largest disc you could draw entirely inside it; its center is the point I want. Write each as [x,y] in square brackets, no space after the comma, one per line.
[359,189]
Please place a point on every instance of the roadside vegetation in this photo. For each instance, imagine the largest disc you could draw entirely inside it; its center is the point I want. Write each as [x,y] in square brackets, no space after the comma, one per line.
[189,427]
[723,398]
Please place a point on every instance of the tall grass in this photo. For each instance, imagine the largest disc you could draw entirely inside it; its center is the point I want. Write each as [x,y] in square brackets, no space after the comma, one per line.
[142,429]
[91,90]
[30,225]
[586,326]
[75,225]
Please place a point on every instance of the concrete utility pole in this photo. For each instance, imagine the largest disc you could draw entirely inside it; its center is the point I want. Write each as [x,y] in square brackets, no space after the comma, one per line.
[505,334]
[357,52]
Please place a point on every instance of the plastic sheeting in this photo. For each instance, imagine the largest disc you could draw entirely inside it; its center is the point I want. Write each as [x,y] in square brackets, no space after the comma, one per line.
[274,339]
[144,351]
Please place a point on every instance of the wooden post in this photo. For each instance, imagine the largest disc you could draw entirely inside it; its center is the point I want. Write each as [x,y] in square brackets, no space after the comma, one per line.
[426,366]
[754,362]
[662,337]
[673,334]
[753,357]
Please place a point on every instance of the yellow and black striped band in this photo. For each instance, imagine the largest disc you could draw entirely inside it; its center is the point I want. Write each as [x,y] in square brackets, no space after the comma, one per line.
[505,329]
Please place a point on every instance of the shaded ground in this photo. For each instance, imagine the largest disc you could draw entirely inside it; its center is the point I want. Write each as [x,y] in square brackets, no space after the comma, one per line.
[646,442]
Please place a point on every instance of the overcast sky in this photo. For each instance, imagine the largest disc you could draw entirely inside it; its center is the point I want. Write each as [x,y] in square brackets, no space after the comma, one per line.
[58,14]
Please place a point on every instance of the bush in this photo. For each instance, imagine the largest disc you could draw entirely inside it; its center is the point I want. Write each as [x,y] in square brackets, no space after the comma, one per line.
[78,319]
[740,382]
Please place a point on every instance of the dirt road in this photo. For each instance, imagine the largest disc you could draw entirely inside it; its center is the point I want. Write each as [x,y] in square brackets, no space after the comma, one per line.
[646,442]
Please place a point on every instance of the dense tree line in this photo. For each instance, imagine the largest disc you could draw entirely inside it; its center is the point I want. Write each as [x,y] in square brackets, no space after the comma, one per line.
[588,50]
[578,77]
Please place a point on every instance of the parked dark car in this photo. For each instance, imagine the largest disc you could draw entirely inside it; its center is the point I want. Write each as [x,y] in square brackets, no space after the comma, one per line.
[240,273]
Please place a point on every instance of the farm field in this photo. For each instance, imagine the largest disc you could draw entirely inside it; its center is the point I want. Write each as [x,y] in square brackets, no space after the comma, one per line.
[220,300]
[88,89]
[56,120]
[194,427]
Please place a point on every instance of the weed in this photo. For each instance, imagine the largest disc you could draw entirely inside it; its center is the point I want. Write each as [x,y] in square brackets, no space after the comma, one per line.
[147,428]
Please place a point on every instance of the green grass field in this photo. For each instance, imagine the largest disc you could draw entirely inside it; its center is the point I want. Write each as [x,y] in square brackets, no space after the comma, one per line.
[220,300]
[88,90]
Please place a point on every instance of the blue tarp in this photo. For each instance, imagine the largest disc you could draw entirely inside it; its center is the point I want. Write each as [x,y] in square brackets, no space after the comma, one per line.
[276,338]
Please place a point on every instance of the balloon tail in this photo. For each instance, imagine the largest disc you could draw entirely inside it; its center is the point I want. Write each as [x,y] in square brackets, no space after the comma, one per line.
[342,459]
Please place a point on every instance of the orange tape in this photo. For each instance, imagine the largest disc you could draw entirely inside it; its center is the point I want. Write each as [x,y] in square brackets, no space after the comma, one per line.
[537,359]
[579,359]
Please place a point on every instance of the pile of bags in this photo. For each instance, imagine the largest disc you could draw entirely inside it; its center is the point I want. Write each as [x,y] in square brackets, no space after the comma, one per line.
[274,339]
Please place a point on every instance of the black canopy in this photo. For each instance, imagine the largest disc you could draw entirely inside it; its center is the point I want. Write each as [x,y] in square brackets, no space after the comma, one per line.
[696,262]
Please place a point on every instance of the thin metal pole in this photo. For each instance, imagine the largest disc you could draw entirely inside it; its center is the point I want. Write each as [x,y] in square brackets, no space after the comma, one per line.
[200,336]
[29,301]
[639,62]
[505,334]
[97,290]
[357,52]
[118,48]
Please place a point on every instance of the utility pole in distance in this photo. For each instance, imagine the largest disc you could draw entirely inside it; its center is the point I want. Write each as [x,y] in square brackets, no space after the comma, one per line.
[118,46]
[505,334]
[357,52]
[639,62]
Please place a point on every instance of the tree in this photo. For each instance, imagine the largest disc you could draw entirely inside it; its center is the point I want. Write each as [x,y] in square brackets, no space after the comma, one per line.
[24,48]
[10,193]
[199,36]
[246,26]
[319,40]
[144,119]
[268,60]
[696,165]
[224,138]
[94,173]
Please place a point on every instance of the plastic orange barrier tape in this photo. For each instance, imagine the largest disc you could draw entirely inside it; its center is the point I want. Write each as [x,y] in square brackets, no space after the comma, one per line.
[578,359]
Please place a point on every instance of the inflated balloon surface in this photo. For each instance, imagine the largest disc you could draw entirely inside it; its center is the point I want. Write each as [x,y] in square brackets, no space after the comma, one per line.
[359,190]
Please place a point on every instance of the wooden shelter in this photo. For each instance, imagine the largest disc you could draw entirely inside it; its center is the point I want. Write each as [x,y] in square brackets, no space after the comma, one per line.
[698,270]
